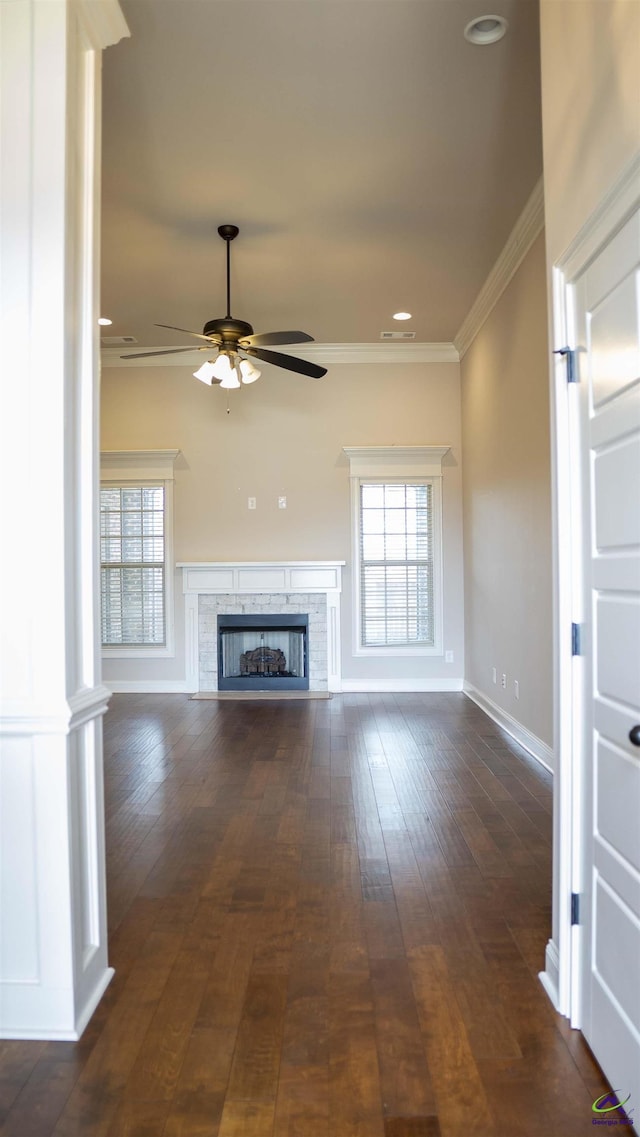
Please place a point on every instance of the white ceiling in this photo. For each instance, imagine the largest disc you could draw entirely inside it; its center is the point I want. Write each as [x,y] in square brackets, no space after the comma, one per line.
[373,159]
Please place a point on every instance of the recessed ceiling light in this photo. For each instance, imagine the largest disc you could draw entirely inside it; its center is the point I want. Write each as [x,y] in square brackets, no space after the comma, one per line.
[485,29]
[104,321]
[402,315]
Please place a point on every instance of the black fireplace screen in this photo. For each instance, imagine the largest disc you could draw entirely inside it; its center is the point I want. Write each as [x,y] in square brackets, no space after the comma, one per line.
[262,652]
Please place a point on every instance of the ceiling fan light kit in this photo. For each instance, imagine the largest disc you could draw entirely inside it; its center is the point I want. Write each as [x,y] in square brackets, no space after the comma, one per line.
[230,380]
[235,339]
[221,371]
[248,373]
[206,373]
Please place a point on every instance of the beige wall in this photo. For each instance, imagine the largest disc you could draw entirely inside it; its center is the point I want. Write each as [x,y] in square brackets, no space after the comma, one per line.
[507,508]
[284,436]
[590,53]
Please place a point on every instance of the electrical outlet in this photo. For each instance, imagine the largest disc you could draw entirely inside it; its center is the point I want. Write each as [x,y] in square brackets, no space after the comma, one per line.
[282,503]
[494,675]
[504,682]
[448,657]
[251,503]
[516,688]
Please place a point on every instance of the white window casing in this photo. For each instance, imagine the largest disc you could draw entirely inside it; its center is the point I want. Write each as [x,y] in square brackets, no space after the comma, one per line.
[150,470]
[405,606]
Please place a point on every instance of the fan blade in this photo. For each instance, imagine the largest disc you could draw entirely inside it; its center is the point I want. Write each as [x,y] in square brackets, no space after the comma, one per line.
[209,339]
[291,362]
[263,339]
[166,351]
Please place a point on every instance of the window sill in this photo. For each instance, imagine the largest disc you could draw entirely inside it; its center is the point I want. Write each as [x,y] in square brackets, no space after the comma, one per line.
[399,650]
[138,651]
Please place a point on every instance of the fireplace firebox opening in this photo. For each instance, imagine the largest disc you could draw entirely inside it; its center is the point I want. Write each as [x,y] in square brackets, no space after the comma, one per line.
[263,652]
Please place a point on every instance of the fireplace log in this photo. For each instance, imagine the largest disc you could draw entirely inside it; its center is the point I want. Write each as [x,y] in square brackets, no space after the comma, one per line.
[263,660]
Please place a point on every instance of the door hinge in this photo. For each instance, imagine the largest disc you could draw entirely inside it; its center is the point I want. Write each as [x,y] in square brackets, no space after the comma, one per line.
[570,358]
[575,639]
[575,908]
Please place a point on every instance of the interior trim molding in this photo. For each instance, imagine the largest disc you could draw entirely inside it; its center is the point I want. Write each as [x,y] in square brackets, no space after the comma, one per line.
[85,1012]
[611,213]
[86,704]
[38,718]
[133,465]
[104,22]
[550,976]
[524,737]
[60,1034]
[323,353]
[382,352]
[395,461]
[528,226]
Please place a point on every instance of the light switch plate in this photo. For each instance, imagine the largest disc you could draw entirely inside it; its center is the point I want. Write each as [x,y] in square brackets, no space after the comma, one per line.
[282,503]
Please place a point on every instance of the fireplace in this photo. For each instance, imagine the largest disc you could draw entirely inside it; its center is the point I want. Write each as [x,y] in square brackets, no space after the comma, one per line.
[285,589]
[263,652]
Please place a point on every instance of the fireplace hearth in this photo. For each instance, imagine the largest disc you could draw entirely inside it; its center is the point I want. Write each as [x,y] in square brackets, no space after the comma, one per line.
[263,651]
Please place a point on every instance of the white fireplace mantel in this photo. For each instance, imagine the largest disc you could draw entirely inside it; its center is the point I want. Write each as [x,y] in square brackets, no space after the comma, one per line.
[261,578]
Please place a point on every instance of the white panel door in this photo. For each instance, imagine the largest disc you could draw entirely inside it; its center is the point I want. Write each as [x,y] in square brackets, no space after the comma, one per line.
[607,335]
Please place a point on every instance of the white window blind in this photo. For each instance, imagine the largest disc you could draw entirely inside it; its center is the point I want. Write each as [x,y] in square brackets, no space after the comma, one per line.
[397,563]
[132,570]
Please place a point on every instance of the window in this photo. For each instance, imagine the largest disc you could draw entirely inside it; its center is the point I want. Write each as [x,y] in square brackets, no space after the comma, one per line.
[396,564]
[396,504]
[136,568]
[132,564]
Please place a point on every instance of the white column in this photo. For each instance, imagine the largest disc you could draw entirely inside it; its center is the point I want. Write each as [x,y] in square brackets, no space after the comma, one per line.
[53,950]
[191,642]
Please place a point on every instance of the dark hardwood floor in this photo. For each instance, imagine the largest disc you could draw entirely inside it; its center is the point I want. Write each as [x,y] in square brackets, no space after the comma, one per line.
[327,920]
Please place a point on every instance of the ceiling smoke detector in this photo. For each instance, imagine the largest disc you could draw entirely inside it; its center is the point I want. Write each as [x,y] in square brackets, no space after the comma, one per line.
[485,29]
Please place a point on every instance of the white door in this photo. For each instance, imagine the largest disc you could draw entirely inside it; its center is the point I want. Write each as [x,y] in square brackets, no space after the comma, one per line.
[606,299]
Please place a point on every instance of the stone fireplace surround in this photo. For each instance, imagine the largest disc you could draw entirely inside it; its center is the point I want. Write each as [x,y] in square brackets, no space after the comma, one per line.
[224,587]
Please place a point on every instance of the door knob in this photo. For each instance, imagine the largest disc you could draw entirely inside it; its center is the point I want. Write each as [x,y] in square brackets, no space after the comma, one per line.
[634,735]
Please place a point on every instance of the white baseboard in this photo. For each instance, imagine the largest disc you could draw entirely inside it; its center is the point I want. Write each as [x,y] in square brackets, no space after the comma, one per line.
[92,1002]
[147,686]
[529,741]
[353,686]
[38,1023]
[390,686]
[550,976]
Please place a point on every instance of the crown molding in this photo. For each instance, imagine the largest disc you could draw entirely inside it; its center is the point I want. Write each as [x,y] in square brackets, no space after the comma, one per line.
[391,461]
[104,22]
[323,353]
[383,352]
[613,210]
[131,465]
[528,226]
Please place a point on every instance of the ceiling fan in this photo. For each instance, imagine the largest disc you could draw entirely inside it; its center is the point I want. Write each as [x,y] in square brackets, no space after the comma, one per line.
[234,339]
